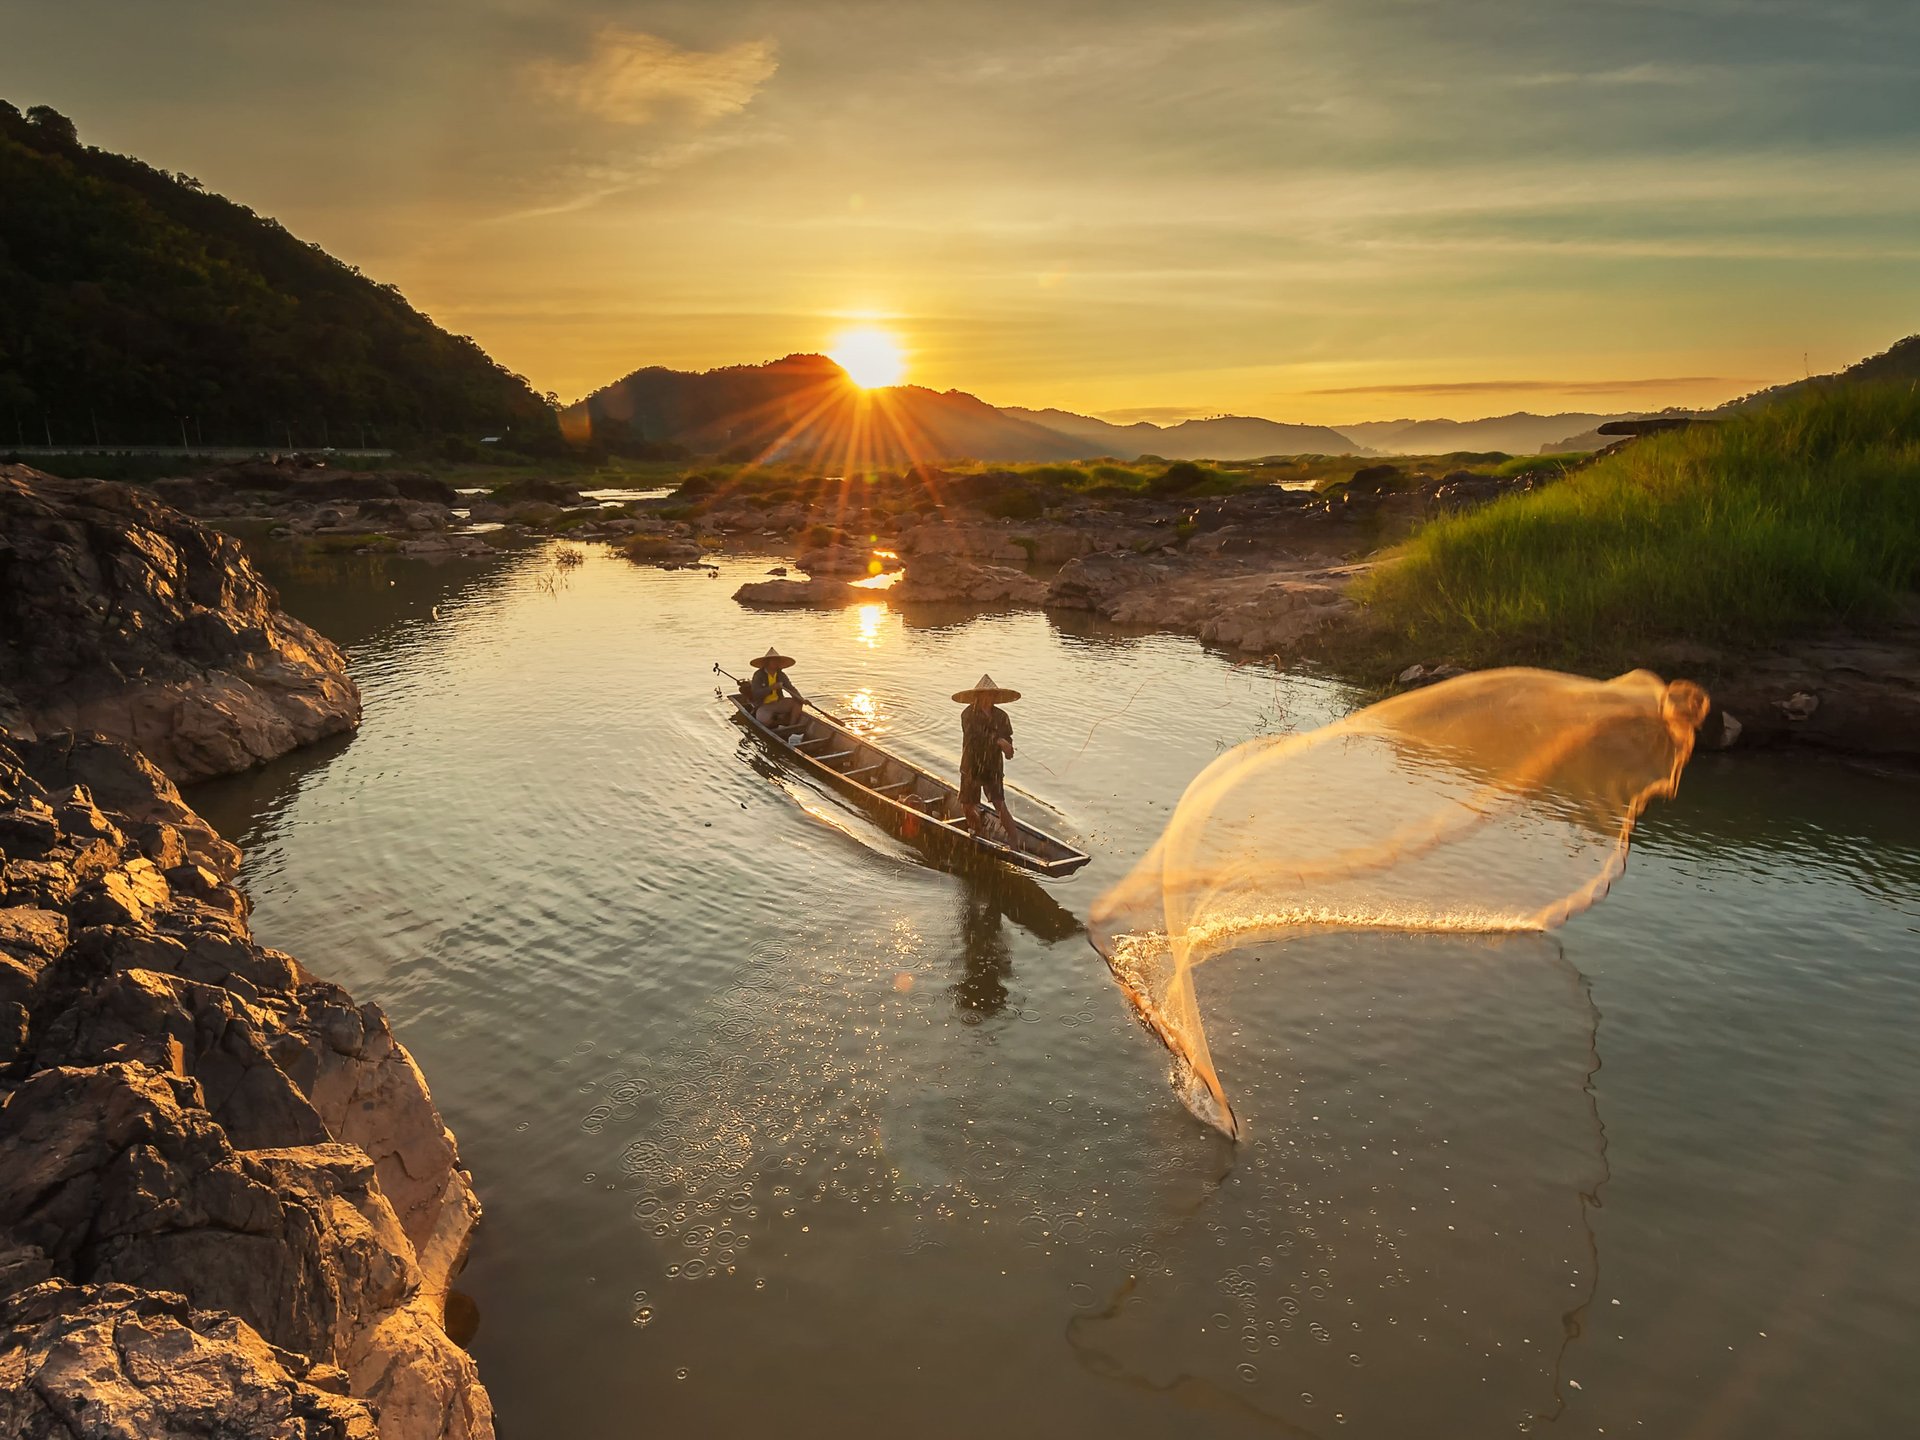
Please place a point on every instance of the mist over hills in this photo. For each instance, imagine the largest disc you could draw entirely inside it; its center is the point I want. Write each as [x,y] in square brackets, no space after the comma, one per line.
[1521,433]
[1221,437]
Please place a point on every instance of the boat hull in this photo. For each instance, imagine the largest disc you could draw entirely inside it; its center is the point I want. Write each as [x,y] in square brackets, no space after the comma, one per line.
[913,803]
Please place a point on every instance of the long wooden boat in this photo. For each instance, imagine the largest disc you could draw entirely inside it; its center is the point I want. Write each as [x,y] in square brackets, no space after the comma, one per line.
[913,803]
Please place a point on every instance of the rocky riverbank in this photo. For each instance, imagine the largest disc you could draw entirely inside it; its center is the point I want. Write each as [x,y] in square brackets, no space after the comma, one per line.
[122,616]
[1269,573]
[228,1206]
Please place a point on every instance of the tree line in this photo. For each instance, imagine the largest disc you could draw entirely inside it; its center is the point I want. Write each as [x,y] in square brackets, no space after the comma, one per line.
[137,308]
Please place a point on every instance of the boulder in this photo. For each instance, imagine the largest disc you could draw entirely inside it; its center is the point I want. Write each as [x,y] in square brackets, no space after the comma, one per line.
[935,579]
[120,615]
[817,594]
[838,560]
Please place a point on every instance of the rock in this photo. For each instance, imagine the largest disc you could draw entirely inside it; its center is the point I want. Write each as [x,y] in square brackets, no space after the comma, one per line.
[838,560]
[1095,582]
[113,1360]
[1251,609]
[121,616]
[538,489]
[1799,706]
[948,579]
[820,594]
[1412,675]
[195,1131]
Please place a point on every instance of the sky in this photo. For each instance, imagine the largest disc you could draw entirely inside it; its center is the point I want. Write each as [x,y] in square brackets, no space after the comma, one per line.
[1338,211]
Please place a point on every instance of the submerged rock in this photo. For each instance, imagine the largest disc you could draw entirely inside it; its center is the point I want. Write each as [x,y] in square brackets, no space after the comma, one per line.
[228,1205]
[123,616]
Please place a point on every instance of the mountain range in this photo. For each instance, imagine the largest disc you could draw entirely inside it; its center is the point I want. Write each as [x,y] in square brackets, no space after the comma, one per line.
[804,408]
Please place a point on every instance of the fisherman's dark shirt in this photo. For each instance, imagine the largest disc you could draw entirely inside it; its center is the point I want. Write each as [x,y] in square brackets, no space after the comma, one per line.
[980,757]
[764,689]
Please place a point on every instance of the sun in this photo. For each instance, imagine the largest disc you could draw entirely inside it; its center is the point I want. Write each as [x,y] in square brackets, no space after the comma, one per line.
[870,356]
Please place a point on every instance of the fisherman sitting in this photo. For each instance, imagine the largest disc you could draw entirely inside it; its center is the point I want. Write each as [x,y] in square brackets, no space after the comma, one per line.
[986,744]
[774,697]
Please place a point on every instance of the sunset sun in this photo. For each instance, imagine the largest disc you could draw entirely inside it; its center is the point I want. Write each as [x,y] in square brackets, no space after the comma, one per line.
[870,356]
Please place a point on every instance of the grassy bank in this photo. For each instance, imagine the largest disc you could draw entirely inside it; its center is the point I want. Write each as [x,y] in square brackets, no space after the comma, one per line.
[1775,521]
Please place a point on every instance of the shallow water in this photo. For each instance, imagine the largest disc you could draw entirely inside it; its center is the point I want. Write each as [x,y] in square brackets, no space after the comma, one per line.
[780,1131]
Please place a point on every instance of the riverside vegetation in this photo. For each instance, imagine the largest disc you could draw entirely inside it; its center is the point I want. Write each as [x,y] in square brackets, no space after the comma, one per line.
[1789,516]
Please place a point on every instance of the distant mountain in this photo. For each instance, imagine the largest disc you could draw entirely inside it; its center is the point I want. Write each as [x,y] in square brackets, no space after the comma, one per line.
[1521,433]
[805,408]
[133,303]
[1223,437]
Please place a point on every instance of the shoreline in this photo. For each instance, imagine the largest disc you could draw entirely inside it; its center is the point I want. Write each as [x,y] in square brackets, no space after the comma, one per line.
[228,1204]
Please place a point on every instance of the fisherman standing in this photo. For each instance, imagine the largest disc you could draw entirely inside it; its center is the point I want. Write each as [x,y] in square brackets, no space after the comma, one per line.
[986,744]
[773,695]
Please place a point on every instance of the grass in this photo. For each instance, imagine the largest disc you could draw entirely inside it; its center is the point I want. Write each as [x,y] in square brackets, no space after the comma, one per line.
[353,544]
[1782,519]
[1545,467]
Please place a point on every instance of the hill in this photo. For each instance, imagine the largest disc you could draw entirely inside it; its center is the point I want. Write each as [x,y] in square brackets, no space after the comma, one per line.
[1222,437]
[1898,362]
[134,304]
[804,408]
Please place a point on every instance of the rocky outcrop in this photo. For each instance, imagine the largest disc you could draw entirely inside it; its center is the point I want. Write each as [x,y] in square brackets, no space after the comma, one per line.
[1852,694]
[947,579]
[840,561]
[812,594]
[113,1360]
[206,1153]
[1264,611]
[120,615]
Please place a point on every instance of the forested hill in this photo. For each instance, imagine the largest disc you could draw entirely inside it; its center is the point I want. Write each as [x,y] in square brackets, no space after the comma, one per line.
[132,301]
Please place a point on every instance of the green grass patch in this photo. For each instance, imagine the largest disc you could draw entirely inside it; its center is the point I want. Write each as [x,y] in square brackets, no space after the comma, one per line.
[353,544]
[1545,467]
[1795,515]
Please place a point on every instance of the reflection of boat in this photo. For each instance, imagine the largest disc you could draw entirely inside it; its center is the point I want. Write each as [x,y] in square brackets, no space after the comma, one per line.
[914,804]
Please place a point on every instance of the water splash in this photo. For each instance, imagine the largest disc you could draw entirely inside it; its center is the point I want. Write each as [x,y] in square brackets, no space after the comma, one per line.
[1498,801]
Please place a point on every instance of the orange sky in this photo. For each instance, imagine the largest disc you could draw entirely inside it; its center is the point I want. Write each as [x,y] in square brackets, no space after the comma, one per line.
[1307,211]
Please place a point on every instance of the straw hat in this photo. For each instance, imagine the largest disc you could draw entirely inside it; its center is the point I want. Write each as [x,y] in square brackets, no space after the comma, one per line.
[772,660]
[993,693]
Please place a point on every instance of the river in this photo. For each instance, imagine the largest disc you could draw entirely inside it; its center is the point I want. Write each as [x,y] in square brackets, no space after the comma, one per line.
[780,1131]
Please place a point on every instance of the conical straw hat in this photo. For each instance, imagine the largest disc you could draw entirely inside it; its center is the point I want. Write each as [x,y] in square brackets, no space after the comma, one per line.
[772,660]
[995,695]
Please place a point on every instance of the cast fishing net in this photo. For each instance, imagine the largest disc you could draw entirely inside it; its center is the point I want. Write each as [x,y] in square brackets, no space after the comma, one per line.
[1498,801]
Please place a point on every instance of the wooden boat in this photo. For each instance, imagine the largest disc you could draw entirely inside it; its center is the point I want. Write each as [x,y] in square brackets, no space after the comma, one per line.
[914,804]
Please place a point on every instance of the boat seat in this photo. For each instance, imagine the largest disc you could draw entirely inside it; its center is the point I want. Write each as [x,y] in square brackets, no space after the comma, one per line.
[863,770]
[891,784]
[832,754]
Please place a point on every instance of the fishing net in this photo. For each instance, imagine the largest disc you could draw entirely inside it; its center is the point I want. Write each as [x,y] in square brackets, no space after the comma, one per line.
[1498,801]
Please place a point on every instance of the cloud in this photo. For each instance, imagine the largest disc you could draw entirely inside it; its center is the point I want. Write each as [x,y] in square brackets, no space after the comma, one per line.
[630,77]
[1564,387]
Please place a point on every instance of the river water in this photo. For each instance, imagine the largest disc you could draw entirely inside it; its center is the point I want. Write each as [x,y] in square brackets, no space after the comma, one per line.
[780,1131]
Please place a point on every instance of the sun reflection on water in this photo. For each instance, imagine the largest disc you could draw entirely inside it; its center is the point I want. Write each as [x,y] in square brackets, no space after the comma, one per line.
[868,619]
